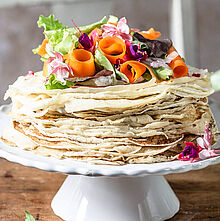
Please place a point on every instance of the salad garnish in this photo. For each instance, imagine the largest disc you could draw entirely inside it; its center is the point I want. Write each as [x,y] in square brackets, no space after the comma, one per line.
[131,55]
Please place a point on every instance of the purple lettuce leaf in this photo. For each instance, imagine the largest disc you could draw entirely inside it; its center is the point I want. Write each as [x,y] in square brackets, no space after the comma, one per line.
[155,48]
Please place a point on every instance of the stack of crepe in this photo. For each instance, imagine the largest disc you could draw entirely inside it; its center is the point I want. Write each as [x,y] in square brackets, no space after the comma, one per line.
[135,123]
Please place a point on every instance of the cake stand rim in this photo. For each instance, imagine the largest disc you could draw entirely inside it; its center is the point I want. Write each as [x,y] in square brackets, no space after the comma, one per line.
[73,167]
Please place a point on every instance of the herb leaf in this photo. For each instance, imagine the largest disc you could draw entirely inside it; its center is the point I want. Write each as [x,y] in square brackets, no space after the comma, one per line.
[101,60]
[98,24]
[28,216]
[122,76]
[163,73]
[54,84]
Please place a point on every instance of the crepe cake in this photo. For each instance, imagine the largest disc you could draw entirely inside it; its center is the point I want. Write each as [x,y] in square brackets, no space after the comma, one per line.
[108,94]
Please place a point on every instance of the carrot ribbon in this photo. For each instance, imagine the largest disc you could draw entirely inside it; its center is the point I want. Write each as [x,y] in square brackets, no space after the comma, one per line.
[177,65]
[82,62]
[134,70]
[42,50]
[113,48]
[45,69]
[150,34]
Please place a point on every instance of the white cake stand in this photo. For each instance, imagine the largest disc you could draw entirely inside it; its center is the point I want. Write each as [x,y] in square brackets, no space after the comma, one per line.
[136,192]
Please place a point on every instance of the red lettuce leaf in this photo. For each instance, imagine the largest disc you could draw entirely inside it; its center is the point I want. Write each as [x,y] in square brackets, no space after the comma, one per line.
[155,48]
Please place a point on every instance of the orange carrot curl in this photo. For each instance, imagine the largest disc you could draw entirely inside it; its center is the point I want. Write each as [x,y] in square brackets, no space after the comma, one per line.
[45,69]
[113,48]
[150,34]
[81,61]
[42,50]
[134,69]
[177,65]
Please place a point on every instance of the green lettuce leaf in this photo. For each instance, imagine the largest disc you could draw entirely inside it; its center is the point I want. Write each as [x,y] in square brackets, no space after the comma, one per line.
[112,19]
[122,76]
[65,44]
[101,60]
[49,23]
[35,51]
[28,216]
[62,38]
[54,84]
[163,73]
[57,35]
[215,79]
[89,28]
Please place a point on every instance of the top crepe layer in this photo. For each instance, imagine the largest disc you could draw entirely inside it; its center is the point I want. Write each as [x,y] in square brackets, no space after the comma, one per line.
[30,97]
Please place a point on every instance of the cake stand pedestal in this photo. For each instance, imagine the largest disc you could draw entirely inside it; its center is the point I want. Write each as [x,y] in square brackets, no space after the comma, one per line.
[134,192]
[139,198]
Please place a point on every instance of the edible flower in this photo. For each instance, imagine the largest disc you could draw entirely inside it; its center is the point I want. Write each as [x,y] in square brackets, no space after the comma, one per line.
[205,142]
[203,149]
[55,65]
[134,52]
[85,41]
[191,152]
[120,30]
[94,36]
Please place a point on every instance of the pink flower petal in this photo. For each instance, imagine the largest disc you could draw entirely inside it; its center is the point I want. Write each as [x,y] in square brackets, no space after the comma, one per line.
[204,154]
[50,59]
[200,142]
[57,66]
[109,28]
[54,63]
[122,26]
[93,35]
[58,56]
[126,36]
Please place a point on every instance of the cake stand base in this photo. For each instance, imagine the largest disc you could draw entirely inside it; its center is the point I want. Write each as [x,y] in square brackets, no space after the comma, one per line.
[129,198]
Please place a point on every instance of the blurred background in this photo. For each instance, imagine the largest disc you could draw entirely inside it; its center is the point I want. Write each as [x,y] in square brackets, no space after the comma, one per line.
[193,25]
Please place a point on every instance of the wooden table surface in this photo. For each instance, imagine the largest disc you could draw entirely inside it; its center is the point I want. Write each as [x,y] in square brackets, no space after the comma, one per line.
[23,188]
